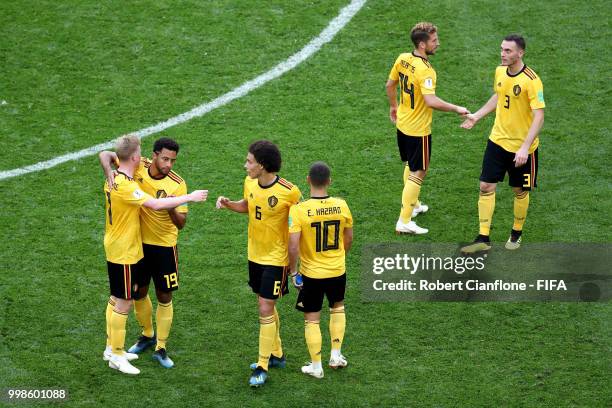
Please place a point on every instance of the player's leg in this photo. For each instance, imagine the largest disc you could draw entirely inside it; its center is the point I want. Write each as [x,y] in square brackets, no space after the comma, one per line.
[166,280]
[494,167]
[143,307]
[110,305]
[334,290]
[277,358]
[522,180]
[122,286]
[309,301]
[416,151]
[272,281]
[419,208]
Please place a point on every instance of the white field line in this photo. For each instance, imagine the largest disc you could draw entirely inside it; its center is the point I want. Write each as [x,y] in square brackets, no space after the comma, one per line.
[337,24]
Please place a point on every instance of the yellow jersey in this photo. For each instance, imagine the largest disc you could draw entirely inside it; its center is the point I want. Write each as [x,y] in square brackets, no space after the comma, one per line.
[157,227]
[122,239]
[322,222]
[517,96]
[268,214]
[416,78]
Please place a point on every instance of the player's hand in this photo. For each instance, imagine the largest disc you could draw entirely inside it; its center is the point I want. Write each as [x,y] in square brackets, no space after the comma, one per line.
[460,110]
[520,157]
[469,122]
[199,195]
[110,178]
[297,280]
[393,114]
[222,202]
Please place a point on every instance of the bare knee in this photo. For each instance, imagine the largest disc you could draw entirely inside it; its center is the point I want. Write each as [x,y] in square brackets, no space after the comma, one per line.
[337,305]
[163,297]
[266,306]
[312,316]
[123,305]
[419,173]
[487,187]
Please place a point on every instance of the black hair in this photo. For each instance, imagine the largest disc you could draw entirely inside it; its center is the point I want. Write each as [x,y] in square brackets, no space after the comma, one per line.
[518,40]
[267,154]
[165,143]
[319,174]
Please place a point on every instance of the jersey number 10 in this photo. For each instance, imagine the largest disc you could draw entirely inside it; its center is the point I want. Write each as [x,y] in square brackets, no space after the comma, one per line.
[322,235]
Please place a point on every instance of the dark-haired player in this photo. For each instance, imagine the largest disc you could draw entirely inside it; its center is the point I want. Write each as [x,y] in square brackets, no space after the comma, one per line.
[518,102]
[123,244]
[159,236]
[267,199]
[320,234]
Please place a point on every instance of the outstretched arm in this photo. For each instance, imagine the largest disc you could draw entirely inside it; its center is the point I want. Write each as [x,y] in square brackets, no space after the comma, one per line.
[173,202]
[436,103]
[487,108]
[237,206]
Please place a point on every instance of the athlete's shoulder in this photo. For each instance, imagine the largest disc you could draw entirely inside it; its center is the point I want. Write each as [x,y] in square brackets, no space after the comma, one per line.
[286,183]
[175,177]
[249,181]
[421,63]
[530,73]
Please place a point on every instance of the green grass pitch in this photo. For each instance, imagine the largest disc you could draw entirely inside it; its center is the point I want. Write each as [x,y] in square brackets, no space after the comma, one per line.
[78,73]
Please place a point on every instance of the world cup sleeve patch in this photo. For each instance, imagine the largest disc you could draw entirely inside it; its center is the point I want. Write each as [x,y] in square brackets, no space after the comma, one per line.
[428,83]
[138,194]
[541,96]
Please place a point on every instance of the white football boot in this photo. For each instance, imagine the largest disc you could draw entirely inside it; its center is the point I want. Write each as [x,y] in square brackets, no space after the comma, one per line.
[312,371]
[422,208]
[338,362]
[108,352]
[122,364]
[409,228]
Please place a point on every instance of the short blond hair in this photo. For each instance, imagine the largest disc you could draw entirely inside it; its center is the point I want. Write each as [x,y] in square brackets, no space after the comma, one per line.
[421,32]
[126,146]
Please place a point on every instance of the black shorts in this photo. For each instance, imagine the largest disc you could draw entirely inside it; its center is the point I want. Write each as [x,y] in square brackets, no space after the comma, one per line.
[310,298]
[497,162]
[416,150]
[268,281]
[161,264]
[123,279]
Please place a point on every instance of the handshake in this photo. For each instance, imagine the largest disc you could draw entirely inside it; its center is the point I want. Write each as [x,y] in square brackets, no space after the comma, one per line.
[470,118]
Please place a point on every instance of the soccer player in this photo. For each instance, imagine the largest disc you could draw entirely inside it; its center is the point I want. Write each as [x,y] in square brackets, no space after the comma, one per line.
[267,199]
[320,234]
[123,245]
[512,148]
[417,80]
[159,236]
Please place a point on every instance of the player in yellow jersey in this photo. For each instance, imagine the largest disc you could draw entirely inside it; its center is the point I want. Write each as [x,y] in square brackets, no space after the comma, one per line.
[267,199]
[417,81]
[518,102]
[123,245]
[159,236]
[320,234]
